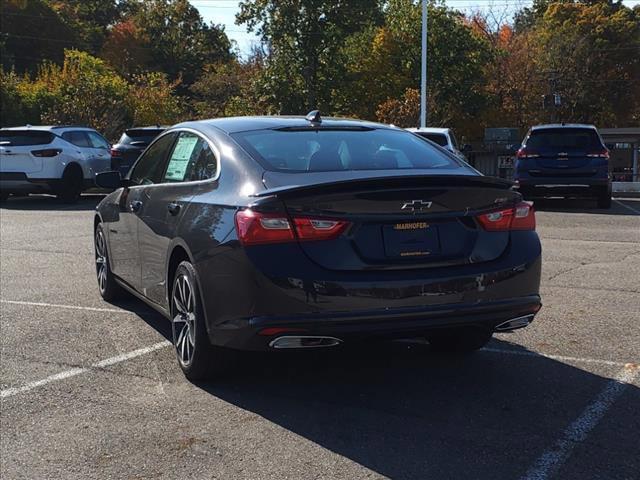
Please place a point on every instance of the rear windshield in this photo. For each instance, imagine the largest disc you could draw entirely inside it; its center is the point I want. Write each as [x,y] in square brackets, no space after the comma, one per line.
[140,137]
[564,139]
[19,138]
[322,150]
[438,138]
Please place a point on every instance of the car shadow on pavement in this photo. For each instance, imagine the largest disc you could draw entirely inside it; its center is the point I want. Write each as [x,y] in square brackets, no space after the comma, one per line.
[88,201]
[404,412]
[572,205]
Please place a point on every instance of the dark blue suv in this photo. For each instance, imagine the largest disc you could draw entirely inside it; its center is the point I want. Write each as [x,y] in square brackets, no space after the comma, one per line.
[564,160]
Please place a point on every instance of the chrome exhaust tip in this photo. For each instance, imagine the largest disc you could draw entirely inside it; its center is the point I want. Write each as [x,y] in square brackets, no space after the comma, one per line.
[299,341]
[514,323]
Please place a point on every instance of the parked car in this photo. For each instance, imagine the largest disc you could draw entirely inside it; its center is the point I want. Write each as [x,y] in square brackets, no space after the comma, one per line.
[62,160]
[131,144]
[564,160]
[269,233]
[441,136]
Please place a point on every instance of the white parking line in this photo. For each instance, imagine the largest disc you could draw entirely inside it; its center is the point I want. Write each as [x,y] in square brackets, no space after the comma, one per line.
[627,206]
[77,371]
[552,459]
[561,358]
[71,307]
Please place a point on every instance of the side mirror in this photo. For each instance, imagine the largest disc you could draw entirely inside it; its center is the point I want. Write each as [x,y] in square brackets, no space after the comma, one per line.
[110,180]
[466,148]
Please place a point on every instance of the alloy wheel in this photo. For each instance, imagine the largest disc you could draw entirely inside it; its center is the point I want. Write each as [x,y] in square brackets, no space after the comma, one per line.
[184,319]
[101,261]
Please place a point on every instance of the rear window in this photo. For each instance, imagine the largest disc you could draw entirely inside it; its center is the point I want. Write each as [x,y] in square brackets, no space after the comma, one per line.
[321,150]
[139,137]
[564,139]
[19,138]
[438,138]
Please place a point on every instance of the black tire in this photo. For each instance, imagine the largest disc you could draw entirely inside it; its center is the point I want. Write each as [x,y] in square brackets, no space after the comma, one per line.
[197,358]
[460,340]
[107,285]
[604,200]
[70,187]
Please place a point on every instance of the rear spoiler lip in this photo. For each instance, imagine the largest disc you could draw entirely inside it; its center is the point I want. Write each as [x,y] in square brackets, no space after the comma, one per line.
[431,180]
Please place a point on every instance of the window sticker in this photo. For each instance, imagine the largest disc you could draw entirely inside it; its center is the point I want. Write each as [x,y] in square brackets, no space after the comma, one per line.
[180,158]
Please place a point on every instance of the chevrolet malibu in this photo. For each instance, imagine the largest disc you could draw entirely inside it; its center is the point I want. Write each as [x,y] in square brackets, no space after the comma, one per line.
[271,233]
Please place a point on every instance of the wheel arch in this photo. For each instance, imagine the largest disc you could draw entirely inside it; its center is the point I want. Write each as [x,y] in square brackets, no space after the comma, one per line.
[179,252]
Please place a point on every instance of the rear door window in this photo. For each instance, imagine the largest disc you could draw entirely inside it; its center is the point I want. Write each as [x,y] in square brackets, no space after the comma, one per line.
[564,140]
[336,149]
[21,138]
[141,137]
[98,141]
[78,138]
[192,159]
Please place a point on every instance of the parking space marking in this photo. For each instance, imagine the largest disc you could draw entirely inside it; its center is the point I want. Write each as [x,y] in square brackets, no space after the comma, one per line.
[553,458]
[71,307]
[73,372]
[627,206]
[560,358]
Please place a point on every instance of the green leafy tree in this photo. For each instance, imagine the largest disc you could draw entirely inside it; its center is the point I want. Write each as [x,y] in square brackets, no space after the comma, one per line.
[90,19]
[11,106]
[179,41]
[303,39]
[84,90]
[31,32]
[383,68]
[594,52]
[152,101]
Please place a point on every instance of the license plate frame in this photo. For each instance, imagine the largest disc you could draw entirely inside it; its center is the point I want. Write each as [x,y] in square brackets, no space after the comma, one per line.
[407,243]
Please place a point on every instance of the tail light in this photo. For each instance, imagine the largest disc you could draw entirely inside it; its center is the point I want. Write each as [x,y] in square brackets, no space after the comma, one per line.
[520,217]
[255,228]
[116,153]
[49,152]
[524,153]
[599,154]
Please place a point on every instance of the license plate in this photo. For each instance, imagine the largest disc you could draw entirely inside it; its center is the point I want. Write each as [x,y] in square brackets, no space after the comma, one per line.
[412,239]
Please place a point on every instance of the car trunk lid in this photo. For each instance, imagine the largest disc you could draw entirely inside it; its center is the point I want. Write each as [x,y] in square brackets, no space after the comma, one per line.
[396,221]
[17,149]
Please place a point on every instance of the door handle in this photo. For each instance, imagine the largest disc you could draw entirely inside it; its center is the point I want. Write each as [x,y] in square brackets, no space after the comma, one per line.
[173,208]
[135,206]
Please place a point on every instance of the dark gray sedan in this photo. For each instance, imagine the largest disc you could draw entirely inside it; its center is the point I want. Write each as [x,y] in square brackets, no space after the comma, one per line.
[267,233]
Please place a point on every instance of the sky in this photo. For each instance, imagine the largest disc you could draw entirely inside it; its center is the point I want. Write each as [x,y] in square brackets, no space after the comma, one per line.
[224,12]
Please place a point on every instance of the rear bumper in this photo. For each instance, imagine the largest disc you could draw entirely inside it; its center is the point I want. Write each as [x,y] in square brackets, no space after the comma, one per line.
[378,324]
[20,183]
[563,187]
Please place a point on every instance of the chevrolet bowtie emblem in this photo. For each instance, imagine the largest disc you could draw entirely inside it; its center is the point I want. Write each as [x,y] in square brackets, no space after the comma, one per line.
[416,205]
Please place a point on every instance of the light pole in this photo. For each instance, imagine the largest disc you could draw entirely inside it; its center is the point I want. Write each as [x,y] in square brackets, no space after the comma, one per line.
[423,79]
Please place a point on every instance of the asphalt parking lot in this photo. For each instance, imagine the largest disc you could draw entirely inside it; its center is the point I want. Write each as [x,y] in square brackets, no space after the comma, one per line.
[92,390]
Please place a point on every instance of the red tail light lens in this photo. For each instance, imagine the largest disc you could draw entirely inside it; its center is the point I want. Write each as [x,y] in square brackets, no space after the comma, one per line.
[318,229]
[524,153]
[255,228]
[520,217]
[115,153]
[49,152]
[260,228]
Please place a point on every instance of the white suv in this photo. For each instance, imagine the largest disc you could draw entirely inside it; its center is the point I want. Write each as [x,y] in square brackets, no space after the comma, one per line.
[61,160]
[444,137]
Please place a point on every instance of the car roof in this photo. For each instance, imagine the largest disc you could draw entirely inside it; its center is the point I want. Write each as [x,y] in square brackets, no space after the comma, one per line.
[563,125]
[149,127]
[429,130]
[51,128]
[243,124]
